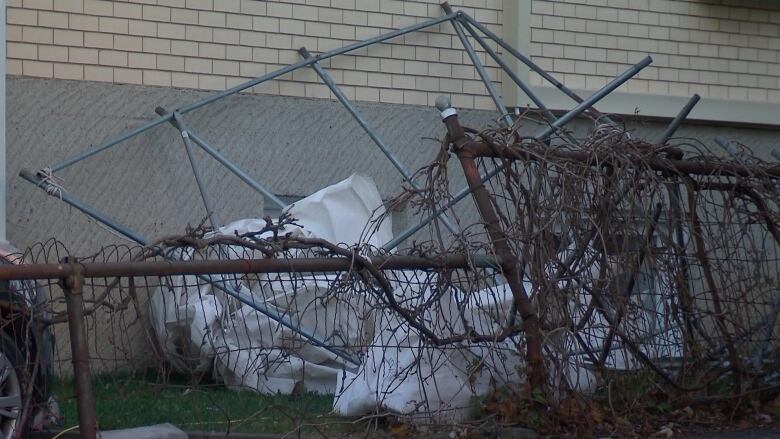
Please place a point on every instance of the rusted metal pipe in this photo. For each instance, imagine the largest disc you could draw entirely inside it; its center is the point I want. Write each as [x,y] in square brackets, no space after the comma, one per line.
[85,400]
[509,261]
[679,167]
[173,268]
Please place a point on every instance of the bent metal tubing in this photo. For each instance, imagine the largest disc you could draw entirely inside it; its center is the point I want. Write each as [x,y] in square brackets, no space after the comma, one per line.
[249,84]
[361,120]
[243,298]
[541,136]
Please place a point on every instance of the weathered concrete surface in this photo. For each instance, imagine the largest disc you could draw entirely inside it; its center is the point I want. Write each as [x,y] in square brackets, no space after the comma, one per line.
[292,145]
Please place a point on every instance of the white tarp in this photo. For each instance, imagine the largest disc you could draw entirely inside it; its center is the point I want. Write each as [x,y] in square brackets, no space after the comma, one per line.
[403,374]
[202,328]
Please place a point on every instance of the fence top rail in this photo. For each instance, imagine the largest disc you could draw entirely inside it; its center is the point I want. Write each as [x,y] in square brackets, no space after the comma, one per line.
[243,266]
[671,165]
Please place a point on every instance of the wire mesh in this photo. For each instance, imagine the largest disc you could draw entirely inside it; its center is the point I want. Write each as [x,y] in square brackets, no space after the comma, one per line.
[635,270]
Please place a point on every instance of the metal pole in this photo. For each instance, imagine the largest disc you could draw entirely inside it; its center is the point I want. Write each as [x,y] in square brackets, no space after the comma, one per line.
[508,70]
[35,179]
[678,120]
[478,65]
[78,204]
[512,75]
[109,143]
[179,124]
[241,87]
[527,61]
[595,97]
[461,194]
[156,267]
[368,129]
[85,399]
[238,172]
[499,242]
[592,100]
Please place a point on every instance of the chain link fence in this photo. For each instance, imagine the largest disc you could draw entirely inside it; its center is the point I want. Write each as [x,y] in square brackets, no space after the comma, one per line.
[602,269]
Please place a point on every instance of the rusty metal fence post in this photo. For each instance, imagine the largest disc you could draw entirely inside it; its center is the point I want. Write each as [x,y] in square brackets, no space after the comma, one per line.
[72,286]
[510,263]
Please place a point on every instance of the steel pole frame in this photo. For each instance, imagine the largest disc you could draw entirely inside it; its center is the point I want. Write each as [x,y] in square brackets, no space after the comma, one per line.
[541,136]
[124,230]
[532,65]
[249,84]
[169,117]
[407,175]
[491,89]
[585,105]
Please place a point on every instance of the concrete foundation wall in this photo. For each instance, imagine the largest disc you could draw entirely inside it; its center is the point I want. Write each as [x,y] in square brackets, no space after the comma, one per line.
[294,146]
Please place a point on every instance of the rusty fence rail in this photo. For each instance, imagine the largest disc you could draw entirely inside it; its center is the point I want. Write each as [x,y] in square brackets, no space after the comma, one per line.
[588,273]
[109,303]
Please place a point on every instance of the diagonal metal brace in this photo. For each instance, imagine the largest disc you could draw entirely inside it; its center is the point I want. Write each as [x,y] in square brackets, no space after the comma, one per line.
[179,124]
[326,78]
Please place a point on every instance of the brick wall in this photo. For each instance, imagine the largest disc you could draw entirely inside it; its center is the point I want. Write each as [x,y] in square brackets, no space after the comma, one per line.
[214,44]
[719,49]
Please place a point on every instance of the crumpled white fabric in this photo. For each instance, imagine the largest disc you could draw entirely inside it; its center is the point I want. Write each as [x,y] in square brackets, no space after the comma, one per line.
[201,328]
[404,374]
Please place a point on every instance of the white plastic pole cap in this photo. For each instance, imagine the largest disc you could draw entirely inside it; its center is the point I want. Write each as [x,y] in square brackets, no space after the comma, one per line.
[444,105]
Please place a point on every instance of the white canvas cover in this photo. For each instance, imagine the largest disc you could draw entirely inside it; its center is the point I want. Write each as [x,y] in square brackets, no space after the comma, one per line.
[201,328]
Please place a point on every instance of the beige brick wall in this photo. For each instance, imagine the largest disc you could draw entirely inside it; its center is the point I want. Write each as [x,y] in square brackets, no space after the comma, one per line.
[214,44]
[719,49]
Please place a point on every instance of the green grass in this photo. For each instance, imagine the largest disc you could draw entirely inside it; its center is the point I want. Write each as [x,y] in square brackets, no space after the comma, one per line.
[133,401]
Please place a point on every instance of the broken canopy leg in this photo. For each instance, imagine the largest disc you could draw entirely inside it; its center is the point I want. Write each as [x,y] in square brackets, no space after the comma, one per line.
[491,89]
[541,136]
[369,130]
[238,172]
